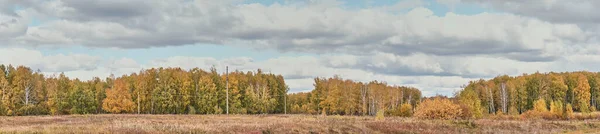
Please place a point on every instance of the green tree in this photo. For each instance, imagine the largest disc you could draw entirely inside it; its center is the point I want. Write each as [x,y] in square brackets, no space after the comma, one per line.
[81,98]
[470,98]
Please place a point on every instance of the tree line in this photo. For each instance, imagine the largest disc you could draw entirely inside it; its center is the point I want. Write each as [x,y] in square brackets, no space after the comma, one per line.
[568,91]
[346,97]
[151,91]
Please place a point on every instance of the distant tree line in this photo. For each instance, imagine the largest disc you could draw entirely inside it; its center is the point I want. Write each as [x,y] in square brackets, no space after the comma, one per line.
[150,91]
[561,92]
[346,97]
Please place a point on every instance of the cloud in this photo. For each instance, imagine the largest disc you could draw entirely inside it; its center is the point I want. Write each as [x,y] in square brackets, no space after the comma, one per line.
[50,63]
[300,71]
[403,43]
[430,73]
[310,27]
[560,11]
[11,27]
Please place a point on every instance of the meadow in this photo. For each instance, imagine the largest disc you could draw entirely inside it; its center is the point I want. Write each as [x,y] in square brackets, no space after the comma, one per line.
[131,123]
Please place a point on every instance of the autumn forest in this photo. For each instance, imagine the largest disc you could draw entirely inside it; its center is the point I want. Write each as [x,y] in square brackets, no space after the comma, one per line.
[196,91]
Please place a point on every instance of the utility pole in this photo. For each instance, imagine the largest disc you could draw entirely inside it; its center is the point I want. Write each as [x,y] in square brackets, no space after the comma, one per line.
[138,101]
[285,103]
[227,88]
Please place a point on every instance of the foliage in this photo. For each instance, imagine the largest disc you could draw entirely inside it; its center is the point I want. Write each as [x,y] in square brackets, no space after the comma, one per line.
[569,111]
[471,102]
[380,115]
[438,108]
[540,110]
[581,90]
[118,99]
[150,91]
[556,108]
[405,110]
[338,96]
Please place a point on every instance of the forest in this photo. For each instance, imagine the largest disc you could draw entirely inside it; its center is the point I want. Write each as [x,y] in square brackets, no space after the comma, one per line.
[151,91]
[560,93]
[346,97]
[196,91]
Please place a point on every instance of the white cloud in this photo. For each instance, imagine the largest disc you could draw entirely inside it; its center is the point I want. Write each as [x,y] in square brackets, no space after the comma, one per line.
[403,44]
[53,63]
[562,11]
[313,27]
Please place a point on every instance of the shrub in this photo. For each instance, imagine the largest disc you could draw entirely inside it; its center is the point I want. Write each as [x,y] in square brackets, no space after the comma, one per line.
[556,108]
[585,108]
[438,108]
[470,103]
[467,112]
[513,111]
[192,110]
[405,110]
[539,111]
[540,106]
[568,111]
[380,115]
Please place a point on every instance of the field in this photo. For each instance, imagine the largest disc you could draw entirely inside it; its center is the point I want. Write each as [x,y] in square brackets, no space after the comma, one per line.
[279,124]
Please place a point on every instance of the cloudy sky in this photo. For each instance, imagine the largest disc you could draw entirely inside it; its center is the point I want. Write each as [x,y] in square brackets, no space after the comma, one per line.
[434,45]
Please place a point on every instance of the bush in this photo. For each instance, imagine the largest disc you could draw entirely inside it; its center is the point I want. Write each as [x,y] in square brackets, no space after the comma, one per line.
[513,111]
[556,108]
[540,106]
[405,110]
[380,115]
[471,104]
[467,112]
[438,108]
[192,110]
[540,111]
[568,111]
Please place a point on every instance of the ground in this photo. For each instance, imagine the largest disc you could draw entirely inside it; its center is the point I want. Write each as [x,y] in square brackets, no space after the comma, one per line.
[126,123]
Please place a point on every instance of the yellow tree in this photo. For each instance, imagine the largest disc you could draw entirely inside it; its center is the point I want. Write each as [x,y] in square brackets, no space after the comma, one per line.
[4,89]
[118,99]
[581,92]
[558,88]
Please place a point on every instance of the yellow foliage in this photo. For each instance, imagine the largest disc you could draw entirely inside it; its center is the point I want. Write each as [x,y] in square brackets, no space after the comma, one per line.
[569,111]
[118,99]
[380,115]
[541,111]
[405,110]
[438,108]
[540,106]
[556,108]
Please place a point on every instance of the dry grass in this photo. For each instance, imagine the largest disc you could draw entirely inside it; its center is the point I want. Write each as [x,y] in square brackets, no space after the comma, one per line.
[278,124]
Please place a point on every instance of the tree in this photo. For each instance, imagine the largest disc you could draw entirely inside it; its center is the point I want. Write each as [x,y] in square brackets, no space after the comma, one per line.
[469,98]
[5,89]
[81,98]
[580,88]
[556,108]
[118,99]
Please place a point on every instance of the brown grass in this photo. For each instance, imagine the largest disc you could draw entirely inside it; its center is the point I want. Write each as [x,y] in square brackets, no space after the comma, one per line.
[278,124]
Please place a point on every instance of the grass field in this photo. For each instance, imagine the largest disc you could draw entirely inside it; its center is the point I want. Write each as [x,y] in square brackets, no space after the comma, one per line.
[278,124]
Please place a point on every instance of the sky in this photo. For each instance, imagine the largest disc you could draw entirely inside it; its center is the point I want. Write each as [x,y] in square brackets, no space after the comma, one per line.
[434,45]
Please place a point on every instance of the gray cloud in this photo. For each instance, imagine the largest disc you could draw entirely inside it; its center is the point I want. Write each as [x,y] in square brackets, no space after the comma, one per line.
[315,27]
[370,43]
[561,11]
